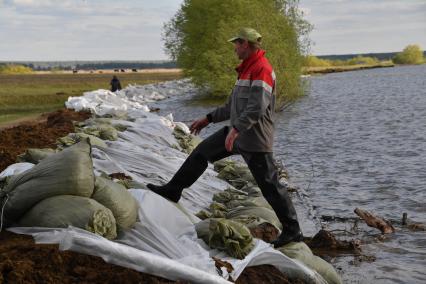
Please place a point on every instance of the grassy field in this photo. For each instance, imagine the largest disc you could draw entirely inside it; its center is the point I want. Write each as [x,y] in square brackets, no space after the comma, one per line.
[28,95]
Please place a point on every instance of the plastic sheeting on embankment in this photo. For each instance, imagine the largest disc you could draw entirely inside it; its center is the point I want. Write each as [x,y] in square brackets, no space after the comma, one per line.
[164,242]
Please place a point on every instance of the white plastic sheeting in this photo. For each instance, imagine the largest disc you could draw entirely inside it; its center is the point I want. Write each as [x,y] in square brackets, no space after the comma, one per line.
[164,242]
[15,169]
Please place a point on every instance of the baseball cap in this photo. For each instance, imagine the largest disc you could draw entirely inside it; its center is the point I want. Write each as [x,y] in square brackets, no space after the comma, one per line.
[248,34]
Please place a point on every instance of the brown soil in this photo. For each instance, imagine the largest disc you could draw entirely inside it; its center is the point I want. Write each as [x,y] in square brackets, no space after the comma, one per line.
[269,274]
[39,134]
[23,261]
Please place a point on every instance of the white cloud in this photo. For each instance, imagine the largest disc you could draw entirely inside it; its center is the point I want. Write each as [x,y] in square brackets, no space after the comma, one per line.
[83,29]
[365,26]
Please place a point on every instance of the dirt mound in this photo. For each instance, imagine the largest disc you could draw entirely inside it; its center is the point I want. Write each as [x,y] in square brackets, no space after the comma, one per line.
[23,261]
[42,134]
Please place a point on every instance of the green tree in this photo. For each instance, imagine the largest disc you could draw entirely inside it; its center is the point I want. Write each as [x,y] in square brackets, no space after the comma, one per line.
[412,54]
[196,37]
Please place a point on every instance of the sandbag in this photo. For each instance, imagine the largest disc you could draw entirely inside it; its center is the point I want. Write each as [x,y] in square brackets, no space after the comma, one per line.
[228,195]
[105,132]
[69,172]
[226,235]
[73,138]
[249,202]
[108,132]
[301,252]
[231,171]
[67,210]
[187,141]
[35,155]
[264,213]
[115,197]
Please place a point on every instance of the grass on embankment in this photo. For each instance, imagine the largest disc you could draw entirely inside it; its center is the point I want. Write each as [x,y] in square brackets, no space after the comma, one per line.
[26,95]
[343,68]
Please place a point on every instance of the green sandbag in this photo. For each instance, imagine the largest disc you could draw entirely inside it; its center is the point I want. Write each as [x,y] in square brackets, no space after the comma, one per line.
[115,197]
[35,155]
[108,132]
[231,171]
[69,172]
[249,202]
[188,142]
[228,195]
[67,210]
[252,190]
[120,127]
[226,235]
[301,252]
[74,138]
[261,212]
[103,131]
[250,222]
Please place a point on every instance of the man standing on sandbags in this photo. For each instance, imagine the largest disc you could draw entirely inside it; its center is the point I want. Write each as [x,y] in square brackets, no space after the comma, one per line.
[250,109]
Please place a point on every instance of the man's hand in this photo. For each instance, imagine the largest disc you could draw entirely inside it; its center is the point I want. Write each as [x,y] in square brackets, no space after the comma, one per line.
[199,124]
[230,138]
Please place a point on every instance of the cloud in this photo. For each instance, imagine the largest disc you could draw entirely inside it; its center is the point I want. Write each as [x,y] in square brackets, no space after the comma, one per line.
[367,26]
[83,30]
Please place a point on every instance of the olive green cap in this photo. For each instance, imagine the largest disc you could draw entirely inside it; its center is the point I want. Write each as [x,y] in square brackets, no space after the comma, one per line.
[249,34]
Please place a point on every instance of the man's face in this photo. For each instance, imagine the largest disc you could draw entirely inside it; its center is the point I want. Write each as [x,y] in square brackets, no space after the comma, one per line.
[241,49]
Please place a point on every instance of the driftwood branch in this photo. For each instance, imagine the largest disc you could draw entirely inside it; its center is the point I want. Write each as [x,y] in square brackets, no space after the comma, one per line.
[376,222]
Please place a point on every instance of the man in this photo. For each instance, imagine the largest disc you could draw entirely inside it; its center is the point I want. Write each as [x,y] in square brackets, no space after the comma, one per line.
[250,109]
[115,84]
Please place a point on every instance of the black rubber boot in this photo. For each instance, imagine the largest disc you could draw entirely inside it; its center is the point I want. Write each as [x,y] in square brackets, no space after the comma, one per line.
[264,171]
[210,149]
[166,191]
[288,235]
[193,167]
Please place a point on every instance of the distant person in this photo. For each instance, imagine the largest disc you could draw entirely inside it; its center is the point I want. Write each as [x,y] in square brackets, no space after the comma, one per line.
[115,84]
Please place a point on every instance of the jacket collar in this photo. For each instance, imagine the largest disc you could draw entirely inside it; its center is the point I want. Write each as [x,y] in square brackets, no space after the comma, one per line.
[249,61]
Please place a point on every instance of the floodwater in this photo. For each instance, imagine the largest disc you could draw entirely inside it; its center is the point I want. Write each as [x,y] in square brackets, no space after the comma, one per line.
[357,139]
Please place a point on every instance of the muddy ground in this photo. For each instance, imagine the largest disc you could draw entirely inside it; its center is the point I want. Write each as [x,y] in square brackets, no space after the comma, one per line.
[23,261]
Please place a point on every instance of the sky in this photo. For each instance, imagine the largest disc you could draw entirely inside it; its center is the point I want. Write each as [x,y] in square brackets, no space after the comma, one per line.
[53,30]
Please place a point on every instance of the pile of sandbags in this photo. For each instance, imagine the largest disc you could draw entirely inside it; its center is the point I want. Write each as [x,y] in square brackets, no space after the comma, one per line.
[231,218]
[235,215]
[73,138]
[61,191]
[101,127]
[95,129]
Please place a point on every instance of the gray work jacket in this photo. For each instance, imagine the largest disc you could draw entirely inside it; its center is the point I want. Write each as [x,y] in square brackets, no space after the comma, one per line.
[251,105]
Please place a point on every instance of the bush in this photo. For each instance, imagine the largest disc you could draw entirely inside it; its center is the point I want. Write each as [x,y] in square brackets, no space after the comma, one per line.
[313,61]
[363,60]
[196,37]
[412,54]
[14,69]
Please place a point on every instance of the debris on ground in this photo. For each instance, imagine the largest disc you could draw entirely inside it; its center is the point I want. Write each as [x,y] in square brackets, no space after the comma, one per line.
[376,222]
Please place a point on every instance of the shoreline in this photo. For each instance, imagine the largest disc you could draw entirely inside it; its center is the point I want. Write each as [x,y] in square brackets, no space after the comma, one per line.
[337,69]
[110,71]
